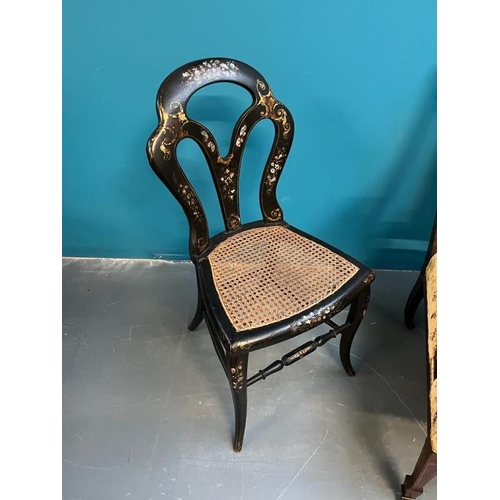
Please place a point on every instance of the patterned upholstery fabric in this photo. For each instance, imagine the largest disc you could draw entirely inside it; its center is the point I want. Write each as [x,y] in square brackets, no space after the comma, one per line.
[431,287]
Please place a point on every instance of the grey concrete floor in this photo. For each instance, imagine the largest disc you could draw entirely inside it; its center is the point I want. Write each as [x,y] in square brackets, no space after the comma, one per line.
[147,411]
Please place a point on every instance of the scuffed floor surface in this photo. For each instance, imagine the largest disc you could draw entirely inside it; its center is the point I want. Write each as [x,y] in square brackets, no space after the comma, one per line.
[147,411]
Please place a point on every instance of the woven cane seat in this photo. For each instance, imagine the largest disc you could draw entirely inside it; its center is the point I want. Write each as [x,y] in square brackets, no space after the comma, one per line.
[431,287]
[267,274]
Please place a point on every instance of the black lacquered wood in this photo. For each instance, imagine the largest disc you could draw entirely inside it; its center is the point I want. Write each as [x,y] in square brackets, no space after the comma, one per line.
[174,125]
[258,338]
[297,354]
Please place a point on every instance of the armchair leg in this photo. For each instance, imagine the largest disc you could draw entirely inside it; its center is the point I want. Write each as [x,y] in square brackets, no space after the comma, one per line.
[357,311]
[238,365]
[416,296]
[417,292]
[198,315]
[425,470]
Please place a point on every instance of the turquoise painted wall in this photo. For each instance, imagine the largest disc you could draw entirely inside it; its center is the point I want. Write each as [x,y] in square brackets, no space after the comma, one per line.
[359,77]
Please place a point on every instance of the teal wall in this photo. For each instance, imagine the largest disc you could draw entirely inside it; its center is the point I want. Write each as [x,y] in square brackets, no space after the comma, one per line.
[359,77]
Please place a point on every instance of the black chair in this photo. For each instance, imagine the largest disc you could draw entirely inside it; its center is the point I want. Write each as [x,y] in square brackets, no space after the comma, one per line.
[263,282]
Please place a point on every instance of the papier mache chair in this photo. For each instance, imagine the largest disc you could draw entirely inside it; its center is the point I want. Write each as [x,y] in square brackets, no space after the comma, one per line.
[262,282]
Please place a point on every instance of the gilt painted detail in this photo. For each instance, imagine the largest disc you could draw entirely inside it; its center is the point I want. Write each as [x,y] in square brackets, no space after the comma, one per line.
[241,136]
[313,318]
[274,170]
[189,198]
[225,161]
[209,69]
[369,278]
[272,107]
[227,182]
[202,244]
[237,376]
[227,177]
[207,140]
[233,221]
[172,127]
[276,215]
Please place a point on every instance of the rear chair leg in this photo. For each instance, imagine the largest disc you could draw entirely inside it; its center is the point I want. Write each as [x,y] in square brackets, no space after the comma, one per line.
[357,311]
[198,315]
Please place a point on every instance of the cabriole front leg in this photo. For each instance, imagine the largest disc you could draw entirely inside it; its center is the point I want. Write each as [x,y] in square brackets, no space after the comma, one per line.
[238,365]
[198,315]
[357,311]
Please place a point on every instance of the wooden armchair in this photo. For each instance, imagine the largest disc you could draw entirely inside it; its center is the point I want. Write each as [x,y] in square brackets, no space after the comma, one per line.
[426,466]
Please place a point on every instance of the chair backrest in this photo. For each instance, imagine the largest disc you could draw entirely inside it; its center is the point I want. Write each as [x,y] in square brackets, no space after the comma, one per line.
[174,125]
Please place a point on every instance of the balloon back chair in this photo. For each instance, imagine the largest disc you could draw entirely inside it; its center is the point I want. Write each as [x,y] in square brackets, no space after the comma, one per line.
[262,282]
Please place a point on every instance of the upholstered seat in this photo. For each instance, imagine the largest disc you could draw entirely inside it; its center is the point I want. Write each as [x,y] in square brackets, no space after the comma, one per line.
[431,290]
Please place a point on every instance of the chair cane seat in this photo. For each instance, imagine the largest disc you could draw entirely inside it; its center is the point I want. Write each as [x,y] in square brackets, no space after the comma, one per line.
[267,274]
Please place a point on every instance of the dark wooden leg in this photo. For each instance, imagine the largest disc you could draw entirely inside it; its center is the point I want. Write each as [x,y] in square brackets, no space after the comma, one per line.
[425,470]
[238,365]
[416,296]
[198,315]
[357,311]
[417,292]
